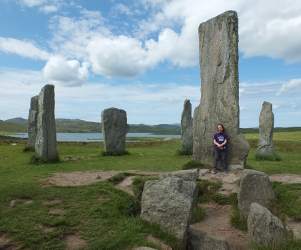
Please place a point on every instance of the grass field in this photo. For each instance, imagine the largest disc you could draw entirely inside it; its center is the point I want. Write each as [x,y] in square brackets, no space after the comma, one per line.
[110,222]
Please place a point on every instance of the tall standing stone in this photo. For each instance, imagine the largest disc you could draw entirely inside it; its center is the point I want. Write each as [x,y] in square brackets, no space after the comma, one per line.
[114,129]
[32,121]
[266,126]
[186,127]
[218,44]
[46,137]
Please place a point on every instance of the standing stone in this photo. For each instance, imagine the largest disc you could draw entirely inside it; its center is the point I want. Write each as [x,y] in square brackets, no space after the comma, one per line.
[114,129]
[254,186]
[266,126]
[186,127]
[32,121]
[218,45]
[265,229]
[46,137]
[170,203]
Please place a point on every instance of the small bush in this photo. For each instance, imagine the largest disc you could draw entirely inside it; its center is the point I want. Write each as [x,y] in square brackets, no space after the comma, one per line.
[184,152]
[198,215]
[38,160]
[235,220]
[114,153]
[206,190]
[29,149]
[275,157]
[192,165]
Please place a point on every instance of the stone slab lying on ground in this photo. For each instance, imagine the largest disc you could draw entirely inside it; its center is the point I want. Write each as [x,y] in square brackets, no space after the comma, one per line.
[200,240]
[254,186]
[264,229]
[186,175]
[170,204]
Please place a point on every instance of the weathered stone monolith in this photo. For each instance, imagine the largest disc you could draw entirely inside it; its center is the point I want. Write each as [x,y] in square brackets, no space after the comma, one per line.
[170,203]
[46,137]
[266,126]
[265,229]
[254,186]
[186,127]
[218,45]
[32,121]
[114,129]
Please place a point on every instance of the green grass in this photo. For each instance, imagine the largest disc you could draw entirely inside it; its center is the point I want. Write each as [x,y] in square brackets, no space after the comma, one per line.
[105,216]
[275,157]
[192,165]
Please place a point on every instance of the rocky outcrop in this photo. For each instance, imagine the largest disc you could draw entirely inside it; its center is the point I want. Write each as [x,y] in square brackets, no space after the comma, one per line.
[45,145]
[218,45]
[170,203]
[199,240]
[33,121]
[114,129]
[186,175]
[264,229]
[255,186]
[186,127]
[266,126]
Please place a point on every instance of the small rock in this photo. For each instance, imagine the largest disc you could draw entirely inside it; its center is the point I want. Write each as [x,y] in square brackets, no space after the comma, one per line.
[14,144]
[12,203]
[97,177]
[203,172]
[186,175]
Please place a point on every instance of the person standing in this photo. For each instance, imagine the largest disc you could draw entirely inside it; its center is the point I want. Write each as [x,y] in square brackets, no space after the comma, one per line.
[220,142]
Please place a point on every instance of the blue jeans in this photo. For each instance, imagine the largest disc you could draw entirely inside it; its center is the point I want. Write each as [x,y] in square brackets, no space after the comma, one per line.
[220,154]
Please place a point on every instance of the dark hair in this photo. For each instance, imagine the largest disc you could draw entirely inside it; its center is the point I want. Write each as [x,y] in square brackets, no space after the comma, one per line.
[222,126]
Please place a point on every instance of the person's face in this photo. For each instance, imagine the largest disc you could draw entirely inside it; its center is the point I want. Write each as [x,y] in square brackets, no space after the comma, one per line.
[219,129]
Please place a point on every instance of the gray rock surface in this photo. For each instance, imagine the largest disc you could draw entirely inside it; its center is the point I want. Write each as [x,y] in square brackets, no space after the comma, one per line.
[199,240]
[46,136]
[254,186]
[114,129]
[266,126]
[218,44]
[170,203]
[186,175]
[264,229]
[186,127]
[33,121]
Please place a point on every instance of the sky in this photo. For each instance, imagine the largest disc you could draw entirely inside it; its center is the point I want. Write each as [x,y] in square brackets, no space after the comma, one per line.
[142,56]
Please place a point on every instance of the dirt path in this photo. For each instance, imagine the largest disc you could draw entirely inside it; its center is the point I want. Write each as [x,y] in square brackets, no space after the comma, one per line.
[217,222]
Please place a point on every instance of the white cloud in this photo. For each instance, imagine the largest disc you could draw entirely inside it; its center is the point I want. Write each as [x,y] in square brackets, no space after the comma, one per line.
[26,49]
[49,9]
[32,3]
[293,86]
[66,73]
[118,56]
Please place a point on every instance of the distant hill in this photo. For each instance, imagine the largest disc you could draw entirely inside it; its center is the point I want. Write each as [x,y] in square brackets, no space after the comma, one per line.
[17,120]
[19,124]
[80,126]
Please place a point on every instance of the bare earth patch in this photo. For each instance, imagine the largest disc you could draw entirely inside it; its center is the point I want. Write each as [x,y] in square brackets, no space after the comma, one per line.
[286,178]
[80,178]
[7,244]
[217,222]
[73,241]
[46,229]
[57,211]
[52,202]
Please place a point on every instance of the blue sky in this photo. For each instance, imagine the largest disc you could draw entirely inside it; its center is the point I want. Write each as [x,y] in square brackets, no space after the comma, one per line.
[142,56]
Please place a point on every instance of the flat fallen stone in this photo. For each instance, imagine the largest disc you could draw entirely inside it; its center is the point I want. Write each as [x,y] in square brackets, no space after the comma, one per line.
[186,175]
